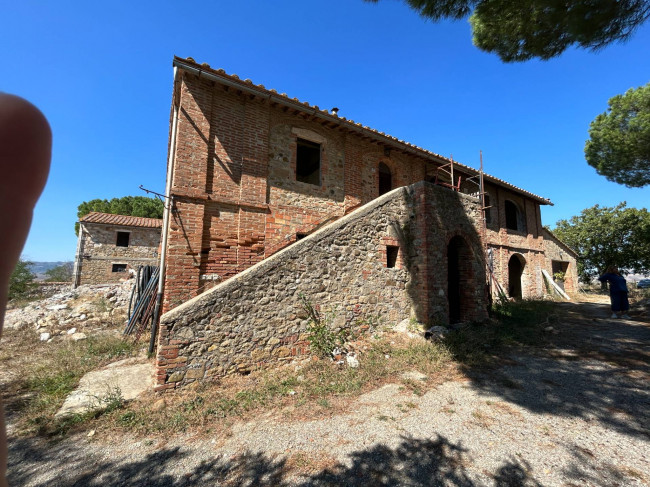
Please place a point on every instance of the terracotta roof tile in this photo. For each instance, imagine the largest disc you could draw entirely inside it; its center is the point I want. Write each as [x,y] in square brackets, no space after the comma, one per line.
[334,117]
[122,220]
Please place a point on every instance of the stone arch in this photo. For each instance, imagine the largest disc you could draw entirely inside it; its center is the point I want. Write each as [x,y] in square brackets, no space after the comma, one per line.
[460,279]
[384,178]
[516,266]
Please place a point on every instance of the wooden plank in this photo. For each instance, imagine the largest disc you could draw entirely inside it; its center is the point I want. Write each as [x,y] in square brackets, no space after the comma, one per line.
[557,288]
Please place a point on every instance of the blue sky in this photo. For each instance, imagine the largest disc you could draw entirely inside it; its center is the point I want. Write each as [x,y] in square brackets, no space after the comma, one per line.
[101,72]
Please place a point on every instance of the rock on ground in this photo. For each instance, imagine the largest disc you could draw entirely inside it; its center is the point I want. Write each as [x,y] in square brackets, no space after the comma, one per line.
[121,381]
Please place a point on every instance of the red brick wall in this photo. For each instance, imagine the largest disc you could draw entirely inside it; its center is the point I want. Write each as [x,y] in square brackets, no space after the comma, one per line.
[237,200]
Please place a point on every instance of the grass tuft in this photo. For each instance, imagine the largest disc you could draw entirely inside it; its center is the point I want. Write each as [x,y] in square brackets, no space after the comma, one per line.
[47,383]
[514,323]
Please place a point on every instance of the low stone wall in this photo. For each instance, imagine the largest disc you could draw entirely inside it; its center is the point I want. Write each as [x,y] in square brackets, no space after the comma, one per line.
[371,263]
[97,270]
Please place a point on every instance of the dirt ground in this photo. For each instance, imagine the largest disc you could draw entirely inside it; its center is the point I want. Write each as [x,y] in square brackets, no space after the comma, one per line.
[573,413]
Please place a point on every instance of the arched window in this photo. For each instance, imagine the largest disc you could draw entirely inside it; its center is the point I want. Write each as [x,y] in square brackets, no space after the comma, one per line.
[385,179]
[514,217]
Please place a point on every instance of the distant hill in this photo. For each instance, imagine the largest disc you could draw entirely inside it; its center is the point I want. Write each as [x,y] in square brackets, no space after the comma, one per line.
[40,268]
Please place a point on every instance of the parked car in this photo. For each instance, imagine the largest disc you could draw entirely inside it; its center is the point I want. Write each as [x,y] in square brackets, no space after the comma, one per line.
[643,284]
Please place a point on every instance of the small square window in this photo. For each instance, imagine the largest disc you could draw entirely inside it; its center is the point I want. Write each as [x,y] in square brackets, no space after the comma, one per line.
[308,162]
[391,255]
[300,236]
[118,268]
[122,239]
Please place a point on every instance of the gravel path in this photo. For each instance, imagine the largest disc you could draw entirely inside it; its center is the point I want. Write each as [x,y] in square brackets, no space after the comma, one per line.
[576,414]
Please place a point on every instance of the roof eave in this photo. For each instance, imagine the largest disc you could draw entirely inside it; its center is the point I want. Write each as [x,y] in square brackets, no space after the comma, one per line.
[250,88]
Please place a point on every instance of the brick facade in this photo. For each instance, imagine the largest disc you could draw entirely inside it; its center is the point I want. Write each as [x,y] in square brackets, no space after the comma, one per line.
[239,197]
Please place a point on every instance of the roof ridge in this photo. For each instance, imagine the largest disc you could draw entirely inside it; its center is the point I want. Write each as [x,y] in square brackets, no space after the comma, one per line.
[123,220]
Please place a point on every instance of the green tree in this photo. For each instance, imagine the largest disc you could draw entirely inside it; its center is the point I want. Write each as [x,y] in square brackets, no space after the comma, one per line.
[61,273]
[605,236]
[21,280]
[127,205]
[518,30]
[619,144]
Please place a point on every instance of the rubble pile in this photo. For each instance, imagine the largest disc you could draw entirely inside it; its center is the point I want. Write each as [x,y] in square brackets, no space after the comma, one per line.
[72,313]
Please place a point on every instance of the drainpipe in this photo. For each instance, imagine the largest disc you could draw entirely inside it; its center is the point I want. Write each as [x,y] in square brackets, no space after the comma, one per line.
[169,201]
[76,273]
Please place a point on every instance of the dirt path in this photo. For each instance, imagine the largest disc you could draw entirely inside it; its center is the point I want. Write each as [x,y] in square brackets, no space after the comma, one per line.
[574,414]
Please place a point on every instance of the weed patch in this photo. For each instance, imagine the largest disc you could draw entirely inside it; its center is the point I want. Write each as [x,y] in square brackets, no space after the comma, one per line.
[318,387]
[514,323]
[323,339]
[46,383]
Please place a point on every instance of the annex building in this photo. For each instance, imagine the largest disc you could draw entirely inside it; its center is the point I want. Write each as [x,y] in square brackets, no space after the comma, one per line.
[273,200]
[108,246]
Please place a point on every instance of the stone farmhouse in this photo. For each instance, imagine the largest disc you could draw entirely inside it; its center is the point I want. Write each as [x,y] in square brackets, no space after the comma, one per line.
[109,246]
[273,200]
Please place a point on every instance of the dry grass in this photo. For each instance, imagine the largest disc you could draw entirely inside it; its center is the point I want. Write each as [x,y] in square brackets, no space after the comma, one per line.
[37,376]
[46,373]
[316,389]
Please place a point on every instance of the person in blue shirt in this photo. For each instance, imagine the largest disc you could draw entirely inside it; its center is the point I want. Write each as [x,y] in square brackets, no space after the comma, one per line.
[617,292]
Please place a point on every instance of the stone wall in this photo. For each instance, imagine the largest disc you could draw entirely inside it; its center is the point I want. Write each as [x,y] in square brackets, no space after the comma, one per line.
[448,220]
[255,318]
[99,251]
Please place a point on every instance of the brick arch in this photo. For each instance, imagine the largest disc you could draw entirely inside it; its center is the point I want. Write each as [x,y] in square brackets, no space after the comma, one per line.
[393,166]
[385,178]
[515,216]
[516,268]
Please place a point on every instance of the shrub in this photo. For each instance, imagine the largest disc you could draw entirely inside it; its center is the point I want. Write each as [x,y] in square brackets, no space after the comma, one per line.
[323,339]
[21,280]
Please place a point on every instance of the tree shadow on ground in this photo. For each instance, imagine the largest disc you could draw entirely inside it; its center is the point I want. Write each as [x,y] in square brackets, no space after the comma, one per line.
[413,462]
[596,369]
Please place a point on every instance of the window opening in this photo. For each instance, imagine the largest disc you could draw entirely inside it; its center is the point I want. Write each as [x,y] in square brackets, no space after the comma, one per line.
[308,162]
[385,179]
[118,268]
[391,255]
[122,239]
[300,236]
[511,215]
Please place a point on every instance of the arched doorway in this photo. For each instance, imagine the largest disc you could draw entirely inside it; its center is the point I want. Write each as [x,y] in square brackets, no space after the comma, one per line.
[516,266]
[459,277]
[385,178]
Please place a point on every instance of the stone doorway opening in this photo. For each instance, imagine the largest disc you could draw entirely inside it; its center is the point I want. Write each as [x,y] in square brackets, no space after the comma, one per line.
[516,266]
[459,279]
